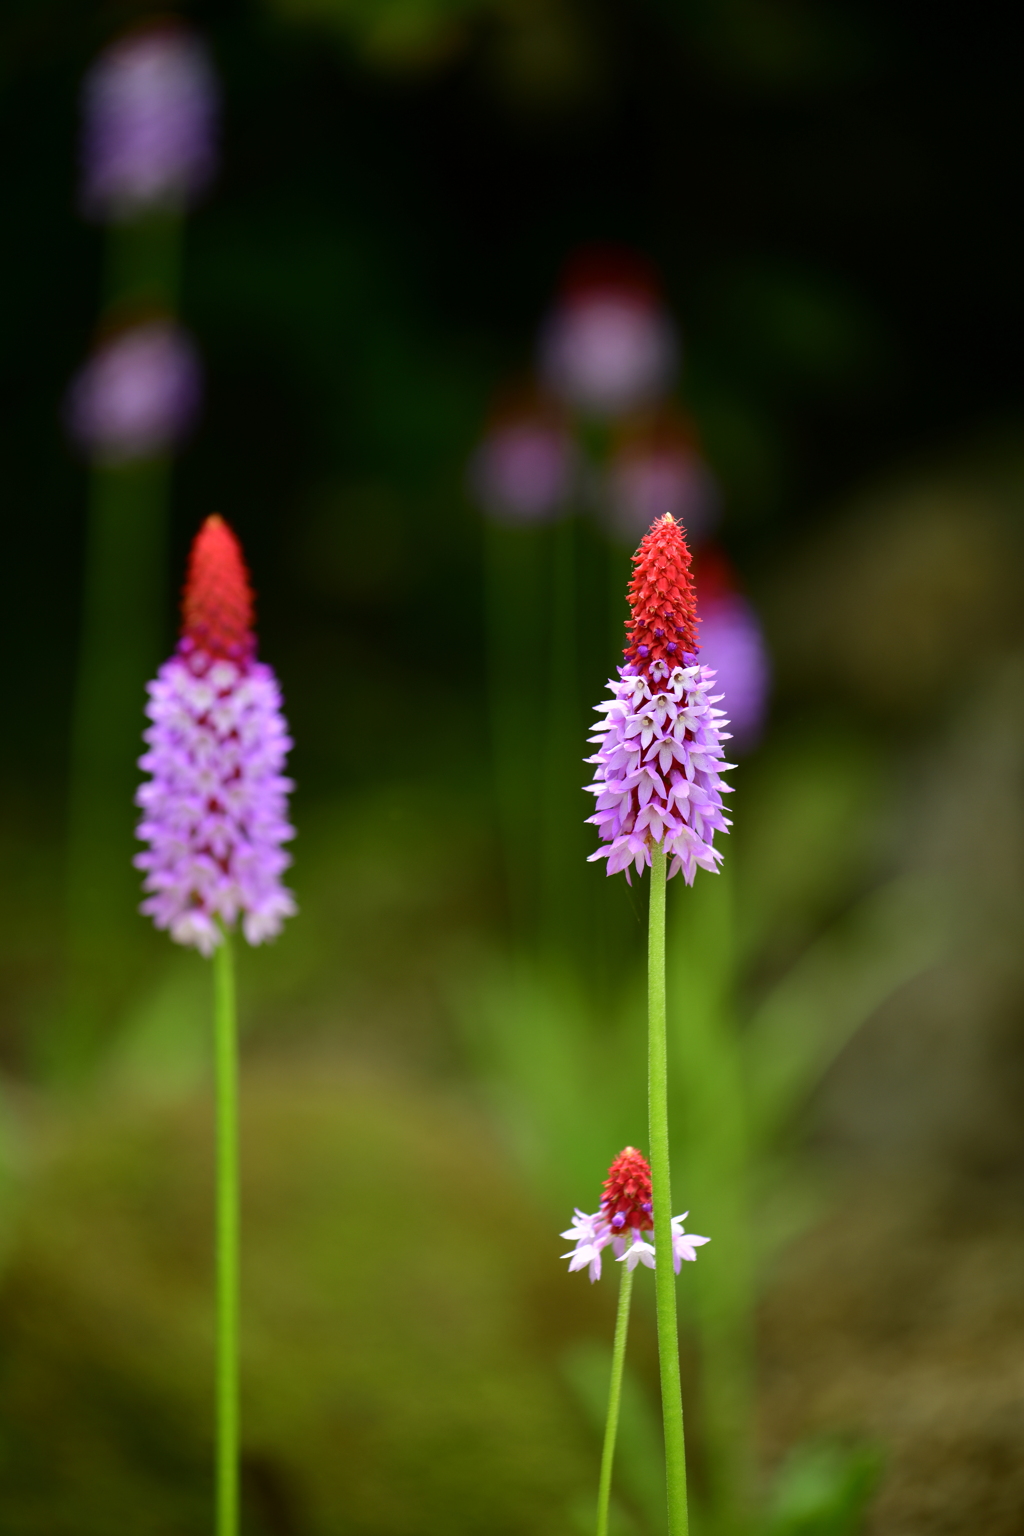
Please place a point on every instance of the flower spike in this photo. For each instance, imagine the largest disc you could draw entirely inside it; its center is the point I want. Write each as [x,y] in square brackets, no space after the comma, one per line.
[657,775]
[626,1214]
[214,810]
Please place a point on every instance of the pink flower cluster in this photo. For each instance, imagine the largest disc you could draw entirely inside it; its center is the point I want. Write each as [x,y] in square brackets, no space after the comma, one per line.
[214,811]
[592,1234]
[658,766]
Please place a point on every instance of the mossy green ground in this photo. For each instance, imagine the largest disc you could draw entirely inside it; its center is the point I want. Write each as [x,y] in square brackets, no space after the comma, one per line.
[395,1374]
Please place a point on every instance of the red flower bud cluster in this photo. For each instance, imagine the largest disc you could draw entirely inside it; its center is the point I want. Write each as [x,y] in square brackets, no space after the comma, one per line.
[217,604]
[663,622]
[626,1197]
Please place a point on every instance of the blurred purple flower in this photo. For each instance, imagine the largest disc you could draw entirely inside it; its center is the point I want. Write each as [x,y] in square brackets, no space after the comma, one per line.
[607,352]
[137,395]
[732,644]
[150,105]
[524,470]
[214,811]
[643,484]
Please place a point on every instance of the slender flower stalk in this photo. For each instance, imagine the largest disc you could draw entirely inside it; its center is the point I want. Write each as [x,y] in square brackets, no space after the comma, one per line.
[626,1215]
[213,814]
[658,785]
[611,1429]
[227,1222]
[661,1185]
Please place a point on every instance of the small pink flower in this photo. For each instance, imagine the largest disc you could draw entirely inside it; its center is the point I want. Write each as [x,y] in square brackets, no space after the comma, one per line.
[625,1222]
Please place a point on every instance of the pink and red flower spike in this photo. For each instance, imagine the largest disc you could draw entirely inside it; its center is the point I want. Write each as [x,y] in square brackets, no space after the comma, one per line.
[214,811]
[657,775]
[626,1213]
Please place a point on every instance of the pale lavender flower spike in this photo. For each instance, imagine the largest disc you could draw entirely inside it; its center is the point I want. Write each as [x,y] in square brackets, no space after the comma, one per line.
[150,105]
[137,395]
[214,812]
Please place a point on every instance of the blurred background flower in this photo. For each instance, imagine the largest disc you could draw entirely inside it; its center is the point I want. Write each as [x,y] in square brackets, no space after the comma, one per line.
[138,394]
[608,347]
[732,641]
[526,467]
[656,467]
[150,105]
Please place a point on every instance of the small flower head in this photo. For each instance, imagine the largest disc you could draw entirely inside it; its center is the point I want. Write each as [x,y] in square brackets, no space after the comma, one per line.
[214,811]
[626,1198]
[626,1214]
[137,395]
[149,124]
[658,767]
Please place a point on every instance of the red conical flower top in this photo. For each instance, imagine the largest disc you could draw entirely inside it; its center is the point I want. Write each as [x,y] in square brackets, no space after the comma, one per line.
[663,624]
[217,605]
[626,1198]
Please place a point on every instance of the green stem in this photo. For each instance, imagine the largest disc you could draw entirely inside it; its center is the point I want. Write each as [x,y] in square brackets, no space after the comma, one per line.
[614,1398]
[661,1185]
[226,1074]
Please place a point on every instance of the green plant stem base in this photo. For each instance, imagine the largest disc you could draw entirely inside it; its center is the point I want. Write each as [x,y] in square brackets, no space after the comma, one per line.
[614,1398]
[226,1084]
[661,1186]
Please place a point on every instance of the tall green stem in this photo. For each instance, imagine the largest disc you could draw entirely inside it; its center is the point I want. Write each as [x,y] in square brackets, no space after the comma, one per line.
[614,1398]
[226,1074]
[661,1185]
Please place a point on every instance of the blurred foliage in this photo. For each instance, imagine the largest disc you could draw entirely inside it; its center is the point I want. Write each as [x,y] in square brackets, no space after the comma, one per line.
[822,1490]
[394,1296]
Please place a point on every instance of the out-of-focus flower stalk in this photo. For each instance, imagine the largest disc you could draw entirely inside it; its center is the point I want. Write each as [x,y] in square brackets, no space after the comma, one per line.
[148,149]
[524,476]
[559,869]
[121,639]
[214,818]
